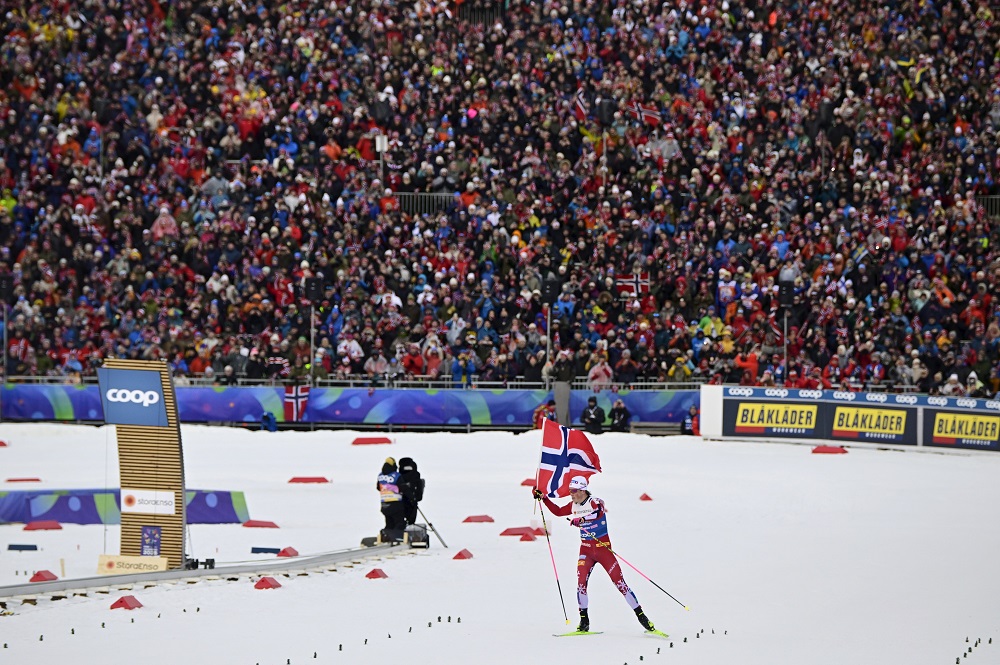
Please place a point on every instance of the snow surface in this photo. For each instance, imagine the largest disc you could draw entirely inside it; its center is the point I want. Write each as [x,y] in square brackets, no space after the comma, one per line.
[870,557]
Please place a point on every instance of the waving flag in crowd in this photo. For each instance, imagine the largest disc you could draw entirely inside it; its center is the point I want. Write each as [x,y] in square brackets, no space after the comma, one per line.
[647,113]
[296,398]
[581,109]
[566,453]
[633,285]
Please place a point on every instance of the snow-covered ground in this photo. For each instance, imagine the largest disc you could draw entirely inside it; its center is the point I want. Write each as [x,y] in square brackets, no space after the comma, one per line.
[782,556]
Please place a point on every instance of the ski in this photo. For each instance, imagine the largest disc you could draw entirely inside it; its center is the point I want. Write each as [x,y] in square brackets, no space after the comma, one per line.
[659,633]
[578,632]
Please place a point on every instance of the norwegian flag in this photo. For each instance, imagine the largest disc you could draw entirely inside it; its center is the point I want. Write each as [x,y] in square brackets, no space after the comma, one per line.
[581,109]
[566,453]
[646,113]
[633,285]
[296,398]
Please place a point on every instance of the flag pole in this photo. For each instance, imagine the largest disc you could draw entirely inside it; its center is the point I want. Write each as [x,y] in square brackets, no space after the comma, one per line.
[545,527]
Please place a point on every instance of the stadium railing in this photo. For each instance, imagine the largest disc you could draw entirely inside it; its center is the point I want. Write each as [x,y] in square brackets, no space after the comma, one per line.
[424,203]
[991,204]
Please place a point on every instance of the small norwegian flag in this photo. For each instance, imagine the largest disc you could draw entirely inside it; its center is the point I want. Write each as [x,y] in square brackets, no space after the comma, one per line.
[647,113]
[296,399]
[581,109]
[633,285]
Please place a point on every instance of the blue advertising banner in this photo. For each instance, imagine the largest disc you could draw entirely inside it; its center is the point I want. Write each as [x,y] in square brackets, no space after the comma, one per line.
[103,506]
[512,408]
[132,397]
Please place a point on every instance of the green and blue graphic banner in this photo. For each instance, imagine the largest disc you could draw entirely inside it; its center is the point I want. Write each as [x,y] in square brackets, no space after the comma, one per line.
[479,407]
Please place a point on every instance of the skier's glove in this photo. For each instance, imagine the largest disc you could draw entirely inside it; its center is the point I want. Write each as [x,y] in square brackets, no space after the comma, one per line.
[576,521]
[537,494]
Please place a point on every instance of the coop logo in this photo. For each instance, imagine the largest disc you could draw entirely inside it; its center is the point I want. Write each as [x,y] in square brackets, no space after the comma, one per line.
[740,392]
[867,424]
[906,399]
[776,392]
[966,428]
[770,418]
[148,502]
[132,397]
[968,403]
[937,401]
[844,395]
[993,404]
[811,394]
[143,397]
[876,397]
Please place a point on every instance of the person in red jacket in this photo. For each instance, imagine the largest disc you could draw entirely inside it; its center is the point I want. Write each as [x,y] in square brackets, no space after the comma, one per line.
[590,516]
[544,412]
[413,362]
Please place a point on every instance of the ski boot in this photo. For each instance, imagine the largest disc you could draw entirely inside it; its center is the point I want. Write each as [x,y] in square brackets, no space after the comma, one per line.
[644,620]
[584,622]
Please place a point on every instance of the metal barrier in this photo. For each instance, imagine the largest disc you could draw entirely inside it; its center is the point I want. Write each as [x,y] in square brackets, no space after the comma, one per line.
[424,203]
[306,563]
[991,204]
[428,383]
[482,12]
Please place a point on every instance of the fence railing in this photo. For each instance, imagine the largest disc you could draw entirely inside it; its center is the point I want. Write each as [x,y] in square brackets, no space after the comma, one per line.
[482,12]
[437,383]
[991,204]
[424,203]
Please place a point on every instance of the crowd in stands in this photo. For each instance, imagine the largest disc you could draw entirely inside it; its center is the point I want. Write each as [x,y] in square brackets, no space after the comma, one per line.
[769,177]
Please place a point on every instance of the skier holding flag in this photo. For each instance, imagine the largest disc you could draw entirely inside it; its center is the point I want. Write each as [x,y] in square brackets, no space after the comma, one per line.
[568,460]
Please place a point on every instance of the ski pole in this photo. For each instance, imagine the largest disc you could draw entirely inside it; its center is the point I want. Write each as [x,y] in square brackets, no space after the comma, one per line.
[554,569]
[432,527]
[644,576]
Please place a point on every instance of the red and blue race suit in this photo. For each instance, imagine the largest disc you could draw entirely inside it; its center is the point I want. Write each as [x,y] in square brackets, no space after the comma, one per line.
[595,546]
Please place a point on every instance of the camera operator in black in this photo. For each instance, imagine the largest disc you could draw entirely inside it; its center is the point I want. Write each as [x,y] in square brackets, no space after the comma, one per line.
[411,486]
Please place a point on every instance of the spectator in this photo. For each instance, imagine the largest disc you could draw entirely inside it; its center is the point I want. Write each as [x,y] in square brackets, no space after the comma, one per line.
[593,416]
[544,412]
[691,424]
[620,417]
[600,376]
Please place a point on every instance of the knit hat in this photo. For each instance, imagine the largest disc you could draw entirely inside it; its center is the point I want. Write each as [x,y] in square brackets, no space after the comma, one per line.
[578,483]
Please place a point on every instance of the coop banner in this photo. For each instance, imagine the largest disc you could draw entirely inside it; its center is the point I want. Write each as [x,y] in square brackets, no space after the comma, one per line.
[132,397]
[953,429]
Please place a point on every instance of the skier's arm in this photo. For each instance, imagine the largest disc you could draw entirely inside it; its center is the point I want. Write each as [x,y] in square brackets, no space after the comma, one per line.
[554,508]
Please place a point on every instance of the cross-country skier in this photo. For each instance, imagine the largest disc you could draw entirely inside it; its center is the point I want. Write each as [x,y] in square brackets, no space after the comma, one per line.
[590,515]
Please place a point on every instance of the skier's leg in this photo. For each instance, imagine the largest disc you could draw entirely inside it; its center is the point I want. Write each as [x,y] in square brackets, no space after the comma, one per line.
[610,563]
[584,567]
